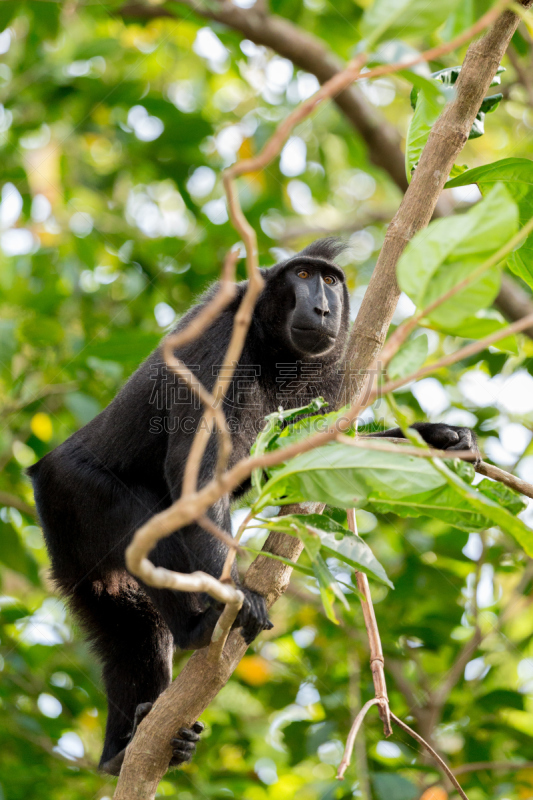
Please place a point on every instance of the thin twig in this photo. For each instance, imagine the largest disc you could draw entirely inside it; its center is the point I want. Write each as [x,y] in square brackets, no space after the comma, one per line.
[442,764]
[212,528]
[350,740]
[497,474]
[374,641]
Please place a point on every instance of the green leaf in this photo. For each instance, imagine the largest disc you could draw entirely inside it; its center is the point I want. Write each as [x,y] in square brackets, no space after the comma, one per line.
[345,476]
[274,426]
[335,540]
[428,104]
[329,588]
[443,503]
[502,494]
[446,252]
[490,508]
[427,111]
[482,324]
[517,175]
[403,18]
[409,358]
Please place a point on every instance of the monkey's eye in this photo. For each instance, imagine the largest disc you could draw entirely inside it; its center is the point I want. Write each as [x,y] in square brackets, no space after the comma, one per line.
[303,273]
[330,280]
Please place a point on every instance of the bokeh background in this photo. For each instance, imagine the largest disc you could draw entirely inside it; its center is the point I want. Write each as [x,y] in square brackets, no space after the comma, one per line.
[113,133]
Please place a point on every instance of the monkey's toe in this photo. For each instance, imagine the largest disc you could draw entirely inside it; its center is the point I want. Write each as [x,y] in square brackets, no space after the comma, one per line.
[142,711]
[184,744]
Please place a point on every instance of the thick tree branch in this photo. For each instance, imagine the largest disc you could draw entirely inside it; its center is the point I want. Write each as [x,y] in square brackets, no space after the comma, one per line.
[446,140]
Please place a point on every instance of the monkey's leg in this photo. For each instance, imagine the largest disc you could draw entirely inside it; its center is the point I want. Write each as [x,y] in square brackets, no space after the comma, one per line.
[135,647]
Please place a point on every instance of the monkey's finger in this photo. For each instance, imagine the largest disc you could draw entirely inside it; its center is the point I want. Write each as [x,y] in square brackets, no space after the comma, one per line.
[268,625]
[187,735]
[198,726]
[181,746]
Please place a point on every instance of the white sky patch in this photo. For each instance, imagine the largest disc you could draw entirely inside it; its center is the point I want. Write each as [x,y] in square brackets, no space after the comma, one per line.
[41,208]
[361,245]
[18,242]
[388,749]
[404,309]
[216,211]
[301,197]
[485,589]
[228,142]
[431,395]
[183,96]
[207,45]
[70,745]
[49,705]
[474,547]
[305,636]
[264,768]
[307,85]
[497,452]
[164,314]
[459,416]
[293,159]
[331,752]
[145,127]
[307,695]
[380,92]
[202,182]
[476,669]
[515,437]
[279,73]
[466,194]
[5,41]
[11,205]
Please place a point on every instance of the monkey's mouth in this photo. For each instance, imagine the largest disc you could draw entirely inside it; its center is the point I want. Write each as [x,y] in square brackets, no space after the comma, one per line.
[318,332]
[312,340]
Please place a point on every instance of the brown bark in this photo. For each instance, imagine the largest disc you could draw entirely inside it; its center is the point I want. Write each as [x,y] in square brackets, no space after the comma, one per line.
[445,142]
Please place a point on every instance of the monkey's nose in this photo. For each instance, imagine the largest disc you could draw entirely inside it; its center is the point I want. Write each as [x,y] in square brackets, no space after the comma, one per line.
[322,312]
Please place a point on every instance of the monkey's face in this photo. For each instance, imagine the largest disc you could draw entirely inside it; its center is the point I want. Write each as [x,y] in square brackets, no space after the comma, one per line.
[315,319]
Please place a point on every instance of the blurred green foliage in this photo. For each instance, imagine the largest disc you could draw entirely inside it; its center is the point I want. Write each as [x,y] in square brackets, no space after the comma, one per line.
[113,132]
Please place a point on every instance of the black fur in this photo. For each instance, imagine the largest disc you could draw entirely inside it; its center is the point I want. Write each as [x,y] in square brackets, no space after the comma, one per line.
[97,488]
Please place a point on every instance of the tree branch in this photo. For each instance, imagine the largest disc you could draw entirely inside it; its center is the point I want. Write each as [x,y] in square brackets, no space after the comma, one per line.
[446,140]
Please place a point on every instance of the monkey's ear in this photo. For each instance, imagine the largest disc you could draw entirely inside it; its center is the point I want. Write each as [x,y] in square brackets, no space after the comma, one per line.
[328,249]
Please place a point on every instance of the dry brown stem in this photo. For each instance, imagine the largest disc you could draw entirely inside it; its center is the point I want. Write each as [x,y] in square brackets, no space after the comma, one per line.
[497,474]
[374,641]
[350,741]
[442,764]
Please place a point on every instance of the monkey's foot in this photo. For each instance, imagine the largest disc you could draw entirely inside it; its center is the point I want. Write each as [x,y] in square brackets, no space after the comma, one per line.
[184,744]
[253,616]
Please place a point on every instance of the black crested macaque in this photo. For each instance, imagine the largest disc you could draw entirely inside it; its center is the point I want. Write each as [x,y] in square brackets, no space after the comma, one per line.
[107,479]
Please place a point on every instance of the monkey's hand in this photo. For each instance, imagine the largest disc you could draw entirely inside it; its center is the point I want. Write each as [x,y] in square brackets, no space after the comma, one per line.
[442,437]
[253,616]
[449,437]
